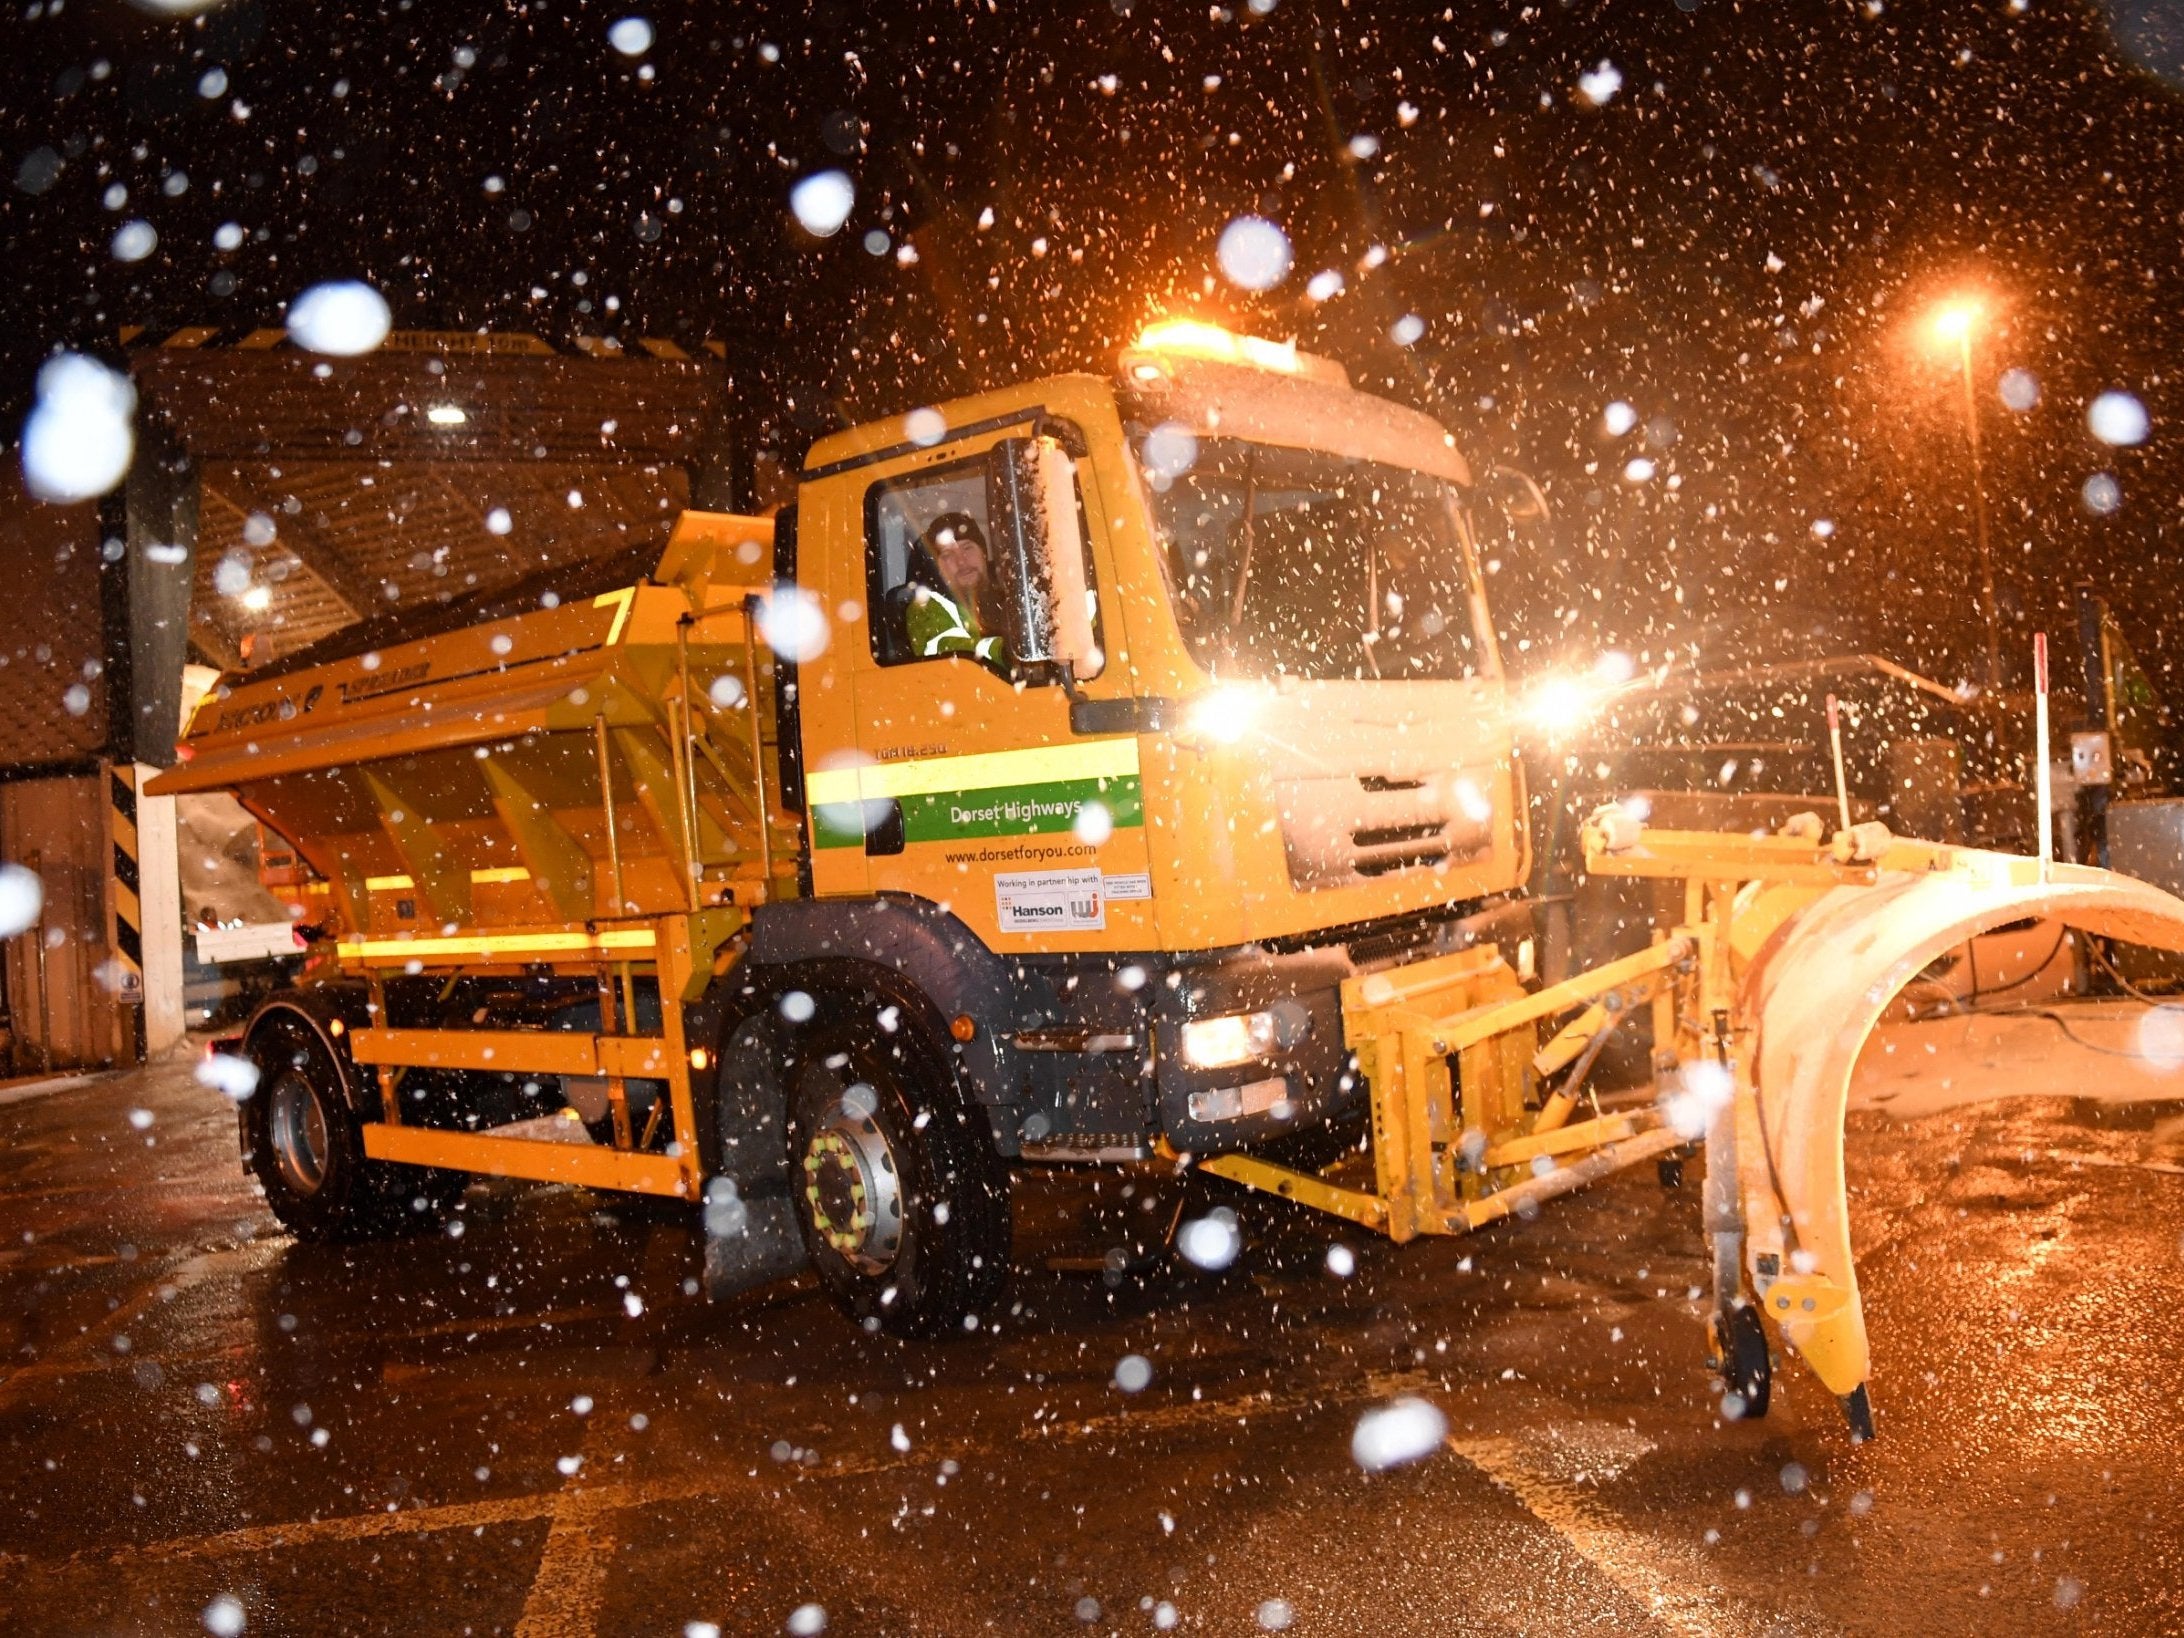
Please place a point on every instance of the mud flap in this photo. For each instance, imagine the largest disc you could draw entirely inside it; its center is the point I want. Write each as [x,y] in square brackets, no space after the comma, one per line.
[749,1243]
[1809,997]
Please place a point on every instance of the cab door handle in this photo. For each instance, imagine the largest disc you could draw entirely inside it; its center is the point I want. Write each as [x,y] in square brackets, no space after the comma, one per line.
[883,826]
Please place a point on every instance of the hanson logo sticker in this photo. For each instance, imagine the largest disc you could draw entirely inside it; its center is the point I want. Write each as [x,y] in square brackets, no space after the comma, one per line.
[1031,901]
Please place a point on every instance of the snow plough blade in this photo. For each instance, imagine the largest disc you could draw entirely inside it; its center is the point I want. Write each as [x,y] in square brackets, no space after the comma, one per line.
[1789,950]
[1810,993]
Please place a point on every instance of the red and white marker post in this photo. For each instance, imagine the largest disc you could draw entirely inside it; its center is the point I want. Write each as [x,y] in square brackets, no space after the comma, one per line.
[1842,785]
[2042,780]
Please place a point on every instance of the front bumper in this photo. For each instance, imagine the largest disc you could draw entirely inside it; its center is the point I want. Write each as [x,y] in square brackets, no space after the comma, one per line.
[1293,1087]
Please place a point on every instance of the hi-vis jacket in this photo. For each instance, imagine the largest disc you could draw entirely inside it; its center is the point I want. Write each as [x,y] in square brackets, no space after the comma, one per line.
[936,625]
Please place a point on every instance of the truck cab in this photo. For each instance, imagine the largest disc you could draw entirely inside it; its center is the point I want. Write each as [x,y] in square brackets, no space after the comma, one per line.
[1283,754]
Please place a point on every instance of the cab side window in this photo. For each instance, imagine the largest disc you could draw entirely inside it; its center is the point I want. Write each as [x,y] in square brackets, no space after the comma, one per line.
[929,567]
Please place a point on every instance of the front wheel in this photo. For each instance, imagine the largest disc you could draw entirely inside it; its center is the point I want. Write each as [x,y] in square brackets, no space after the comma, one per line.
[306,1147]
[903,1202]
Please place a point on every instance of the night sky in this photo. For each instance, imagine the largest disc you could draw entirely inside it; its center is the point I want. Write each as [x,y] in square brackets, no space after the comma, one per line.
[1738,242]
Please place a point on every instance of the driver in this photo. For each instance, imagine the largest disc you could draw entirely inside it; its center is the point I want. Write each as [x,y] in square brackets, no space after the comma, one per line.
[952,621]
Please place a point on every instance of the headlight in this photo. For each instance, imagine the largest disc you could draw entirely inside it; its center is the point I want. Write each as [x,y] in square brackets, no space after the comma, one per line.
[1564,702]
[1562,705]
[1224,716]
[1243,1037]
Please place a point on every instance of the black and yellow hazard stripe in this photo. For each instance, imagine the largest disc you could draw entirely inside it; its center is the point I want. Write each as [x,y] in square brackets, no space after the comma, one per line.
[128,940]
[245,339]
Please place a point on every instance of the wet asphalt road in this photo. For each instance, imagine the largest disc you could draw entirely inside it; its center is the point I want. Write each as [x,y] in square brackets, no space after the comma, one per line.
[485,1433]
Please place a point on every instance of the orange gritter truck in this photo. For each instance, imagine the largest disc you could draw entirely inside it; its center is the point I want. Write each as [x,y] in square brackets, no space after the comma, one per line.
[722,877]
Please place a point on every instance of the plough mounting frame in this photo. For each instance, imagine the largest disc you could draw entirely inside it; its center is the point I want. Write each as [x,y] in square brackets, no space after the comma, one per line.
[1788,950]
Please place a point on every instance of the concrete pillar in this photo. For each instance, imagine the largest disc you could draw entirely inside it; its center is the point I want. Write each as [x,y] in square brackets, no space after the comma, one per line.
[146,586]
[160,892]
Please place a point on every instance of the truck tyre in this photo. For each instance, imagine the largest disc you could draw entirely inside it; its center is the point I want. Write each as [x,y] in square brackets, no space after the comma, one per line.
[903,1203]
[306,1148]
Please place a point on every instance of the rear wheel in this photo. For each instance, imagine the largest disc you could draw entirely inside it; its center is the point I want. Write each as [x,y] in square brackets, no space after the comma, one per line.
[306,1148]
[903,1202]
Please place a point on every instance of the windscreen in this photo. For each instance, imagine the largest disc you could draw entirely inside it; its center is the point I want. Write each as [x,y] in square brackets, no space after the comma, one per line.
[1290,562]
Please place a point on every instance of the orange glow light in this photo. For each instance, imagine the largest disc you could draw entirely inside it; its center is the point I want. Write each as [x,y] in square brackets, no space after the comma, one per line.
[1951,323]
[1197,339]
[1149,357]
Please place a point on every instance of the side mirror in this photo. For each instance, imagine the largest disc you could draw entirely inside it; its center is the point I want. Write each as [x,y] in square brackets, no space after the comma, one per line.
[1038,549]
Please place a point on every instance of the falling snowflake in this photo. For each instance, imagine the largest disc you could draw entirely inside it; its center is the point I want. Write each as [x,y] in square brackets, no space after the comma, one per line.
[78,440]
[822,202]
[1403,1430]
[1600,85]
[1211,1242]
[1254,253]
[793,624]
[134,240]
[22,896]
[343,319]
[2117,419]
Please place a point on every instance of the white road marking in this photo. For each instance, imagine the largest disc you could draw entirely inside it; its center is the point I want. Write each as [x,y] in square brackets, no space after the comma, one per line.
[571,1582]
[420,1521]
[1675,1584]
[414,1521]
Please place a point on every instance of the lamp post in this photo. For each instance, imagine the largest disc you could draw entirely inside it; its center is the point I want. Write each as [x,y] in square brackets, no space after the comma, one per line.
[1952,326]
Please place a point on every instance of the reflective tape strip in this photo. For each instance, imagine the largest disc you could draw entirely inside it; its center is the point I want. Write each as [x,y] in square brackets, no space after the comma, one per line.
[494,944]
[499,873]
[986,770]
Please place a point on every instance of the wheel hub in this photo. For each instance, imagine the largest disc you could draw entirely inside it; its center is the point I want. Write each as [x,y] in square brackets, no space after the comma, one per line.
[297,1129]
[852,1185]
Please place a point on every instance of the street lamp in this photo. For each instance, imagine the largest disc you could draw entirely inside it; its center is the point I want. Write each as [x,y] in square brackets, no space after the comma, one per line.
[1951,327]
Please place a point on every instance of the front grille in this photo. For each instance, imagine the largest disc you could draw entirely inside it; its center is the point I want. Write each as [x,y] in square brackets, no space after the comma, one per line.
[1388,863]
[1394,835]
[1378,949]
[1341,829]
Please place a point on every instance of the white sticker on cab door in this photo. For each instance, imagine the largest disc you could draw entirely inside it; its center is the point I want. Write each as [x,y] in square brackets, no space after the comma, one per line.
[1032,901]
